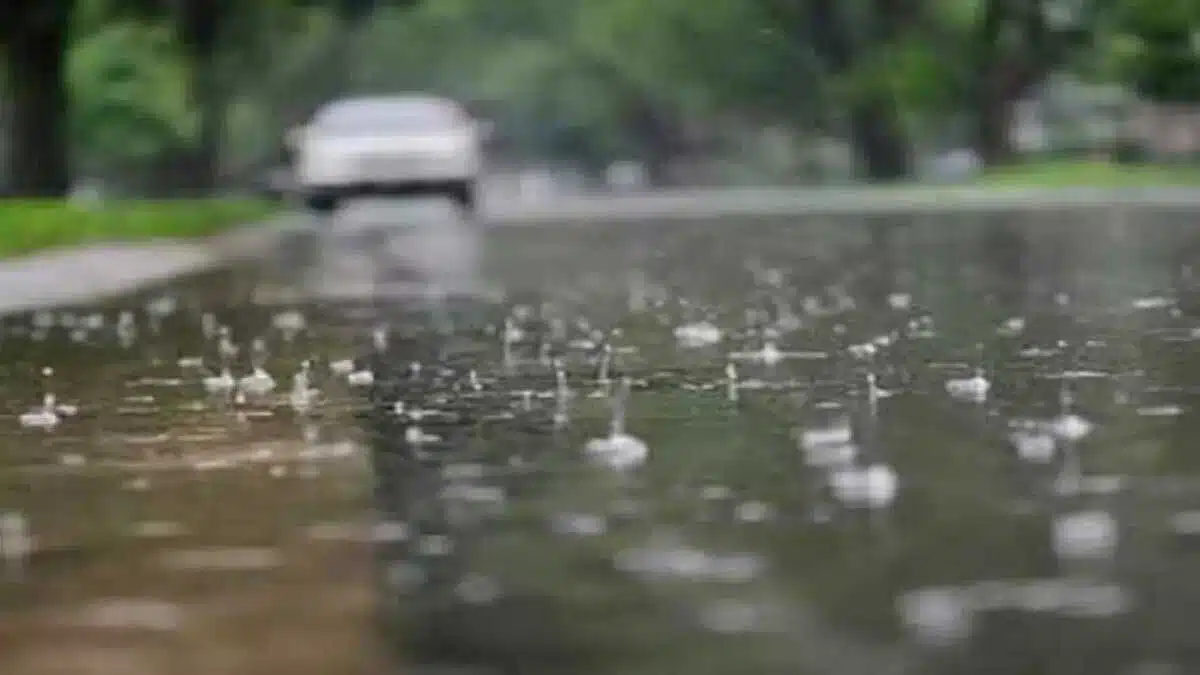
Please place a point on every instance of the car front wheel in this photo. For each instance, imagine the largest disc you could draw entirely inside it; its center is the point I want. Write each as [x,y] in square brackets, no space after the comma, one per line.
[321,204]
[463,193]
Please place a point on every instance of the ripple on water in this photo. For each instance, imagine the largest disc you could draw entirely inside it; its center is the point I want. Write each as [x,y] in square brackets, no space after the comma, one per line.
[158,529]
[661,562]
[136,614]
[223,559]
[726,476]
[579,524]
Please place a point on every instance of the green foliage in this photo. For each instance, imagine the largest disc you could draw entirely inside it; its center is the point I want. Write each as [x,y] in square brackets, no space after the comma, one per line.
[1154,46]
[724,54]
[577,78]
[569,77]
[27,226]
[127,83]
[921,77]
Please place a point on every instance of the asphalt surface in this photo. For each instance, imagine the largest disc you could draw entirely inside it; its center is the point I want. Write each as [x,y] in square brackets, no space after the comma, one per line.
[82,275]
[828,582]
[705,204]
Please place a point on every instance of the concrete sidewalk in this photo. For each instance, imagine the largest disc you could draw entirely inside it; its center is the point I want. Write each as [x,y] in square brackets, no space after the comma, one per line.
[90,273]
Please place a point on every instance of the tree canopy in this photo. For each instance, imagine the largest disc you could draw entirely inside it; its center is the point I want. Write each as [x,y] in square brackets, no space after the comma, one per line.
[108,87]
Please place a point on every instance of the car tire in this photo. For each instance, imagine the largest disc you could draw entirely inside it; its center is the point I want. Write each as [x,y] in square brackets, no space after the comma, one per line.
[463,194]
[322,205]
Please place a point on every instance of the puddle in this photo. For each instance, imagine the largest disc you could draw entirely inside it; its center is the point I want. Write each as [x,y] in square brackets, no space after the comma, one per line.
[816,451]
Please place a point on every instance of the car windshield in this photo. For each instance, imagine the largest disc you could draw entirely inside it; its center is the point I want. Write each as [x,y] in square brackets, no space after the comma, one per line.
[364,117]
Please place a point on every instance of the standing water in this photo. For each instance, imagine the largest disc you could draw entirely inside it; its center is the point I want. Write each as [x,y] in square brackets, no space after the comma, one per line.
[783,447]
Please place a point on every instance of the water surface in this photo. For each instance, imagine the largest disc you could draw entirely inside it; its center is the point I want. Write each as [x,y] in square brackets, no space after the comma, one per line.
[173,526]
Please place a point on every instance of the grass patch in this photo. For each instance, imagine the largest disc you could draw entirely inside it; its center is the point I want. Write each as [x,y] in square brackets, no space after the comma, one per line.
[1091,174]
[29,226]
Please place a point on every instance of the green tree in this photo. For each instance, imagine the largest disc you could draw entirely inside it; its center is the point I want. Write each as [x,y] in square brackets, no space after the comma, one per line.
[216,39]
[218,42]
[33,42]
[979,57]
[1155,47]
[129,99]
[1015,45]
[674,62]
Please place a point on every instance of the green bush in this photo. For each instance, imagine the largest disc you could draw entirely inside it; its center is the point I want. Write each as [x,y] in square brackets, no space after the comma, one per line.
[32,225]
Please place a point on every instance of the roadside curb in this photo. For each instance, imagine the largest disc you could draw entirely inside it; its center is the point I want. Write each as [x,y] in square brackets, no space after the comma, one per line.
[74,276]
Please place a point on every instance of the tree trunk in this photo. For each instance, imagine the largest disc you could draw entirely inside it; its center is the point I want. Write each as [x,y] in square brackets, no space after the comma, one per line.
[883,150]
[876,132]
[991,111]
[876,126]
[993,126]
[210,101]
[1003,73]
[657,138]
[200,33]
[35,54]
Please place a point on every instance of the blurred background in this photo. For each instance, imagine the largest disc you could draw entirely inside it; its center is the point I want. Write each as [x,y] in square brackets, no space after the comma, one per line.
[163,97]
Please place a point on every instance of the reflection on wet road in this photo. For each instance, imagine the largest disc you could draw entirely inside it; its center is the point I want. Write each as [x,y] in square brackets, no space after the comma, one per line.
[843,446]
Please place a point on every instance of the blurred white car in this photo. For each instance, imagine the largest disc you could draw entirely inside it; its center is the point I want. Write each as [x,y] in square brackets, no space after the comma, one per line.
[388,145]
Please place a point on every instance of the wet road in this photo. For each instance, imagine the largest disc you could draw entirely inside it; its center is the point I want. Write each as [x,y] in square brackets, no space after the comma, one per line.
[740,204]
[943,444]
